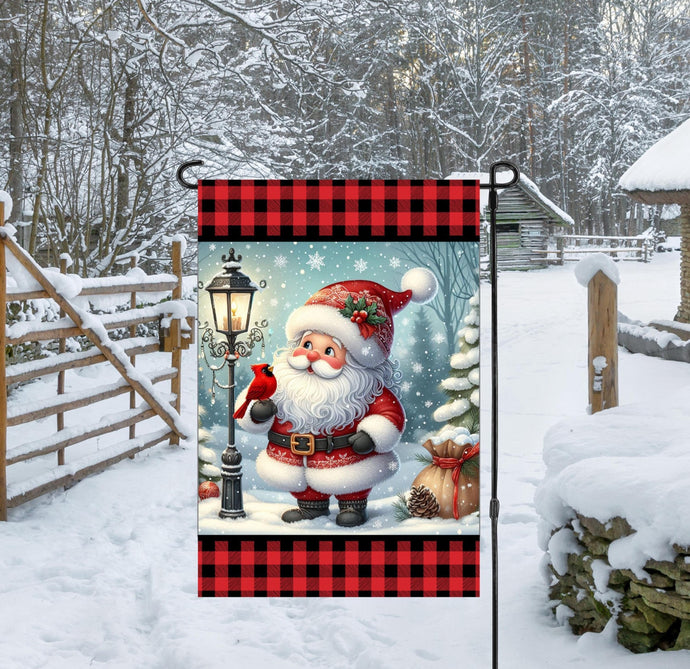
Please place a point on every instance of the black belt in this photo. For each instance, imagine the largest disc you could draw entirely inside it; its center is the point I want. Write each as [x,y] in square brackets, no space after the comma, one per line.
[307,444]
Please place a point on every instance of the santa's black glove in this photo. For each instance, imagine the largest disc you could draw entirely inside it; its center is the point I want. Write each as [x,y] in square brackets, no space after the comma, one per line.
[263,410]
[361,443]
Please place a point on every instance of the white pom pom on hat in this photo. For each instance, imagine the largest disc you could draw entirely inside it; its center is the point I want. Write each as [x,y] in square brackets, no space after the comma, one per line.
[422,283]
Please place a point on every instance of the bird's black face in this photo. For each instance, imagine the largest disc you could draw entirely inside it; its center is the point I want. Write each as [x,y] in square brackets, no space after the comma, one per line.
[268,371]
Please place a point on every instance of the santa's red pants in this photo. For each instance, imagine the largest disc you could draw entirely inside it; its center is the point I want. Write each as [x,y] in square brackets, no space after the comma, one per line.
[312,495]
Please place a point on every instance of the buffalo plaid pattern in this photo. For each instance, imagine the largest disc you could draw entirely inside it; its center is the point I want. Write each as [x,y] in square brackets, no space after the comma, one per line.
[260,566]
[368,210]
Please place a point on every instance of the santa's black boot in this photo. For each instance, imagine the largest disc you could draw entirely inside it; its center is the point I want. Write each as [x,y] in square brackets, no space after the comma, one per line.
[306,510]
[352,513]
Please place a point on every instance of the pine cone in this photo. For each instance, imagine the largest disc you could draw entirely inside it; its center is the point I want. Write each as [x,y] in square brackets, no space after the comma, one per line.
[422,502]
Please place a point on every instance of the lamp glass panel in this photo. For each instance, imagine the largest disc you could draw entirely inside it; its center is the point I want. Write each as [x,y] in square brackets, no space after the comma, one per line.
[220,311]
[239,309]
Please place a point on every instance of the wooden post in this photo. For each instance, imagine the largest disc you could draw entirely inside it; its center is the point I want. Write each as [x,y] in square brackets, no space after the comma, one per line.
[683,313]
[602,361]
[3,386]
[61,376]
[132,358]
[560,245]
[175,385]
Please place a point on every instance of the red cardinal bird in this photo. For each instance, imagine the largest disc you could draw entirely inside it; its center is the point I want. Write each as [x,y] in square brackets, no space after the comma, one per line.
[261,388]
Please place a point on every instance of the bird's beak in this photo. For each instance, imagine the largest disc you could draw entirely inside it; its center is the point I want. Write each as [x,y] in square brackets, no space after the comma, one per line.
[270,369]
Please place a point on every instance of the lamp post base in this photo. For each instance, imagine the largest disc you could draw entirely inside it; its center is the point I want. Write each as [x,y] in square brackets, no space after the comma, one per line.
[231,471]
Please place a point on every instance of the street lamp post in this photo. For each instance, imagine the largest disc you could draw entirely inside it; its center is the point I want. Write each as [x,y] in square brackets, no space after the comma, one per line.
[232,293]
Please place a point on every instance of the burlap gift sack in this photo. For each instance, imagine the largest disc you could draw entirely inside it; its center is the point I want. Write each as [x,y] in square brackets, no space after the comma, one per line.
[452,477]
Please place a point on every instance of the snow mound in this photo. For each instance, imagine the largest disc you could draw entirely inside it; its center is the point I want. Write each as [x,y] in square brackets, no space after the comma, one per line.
[597,262]
[629,461]
[6,199]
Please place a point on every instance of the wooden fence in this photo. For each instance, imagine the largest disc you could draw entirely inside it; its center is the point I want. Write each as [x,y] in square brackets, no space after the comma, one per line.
[175,332]
[575,247]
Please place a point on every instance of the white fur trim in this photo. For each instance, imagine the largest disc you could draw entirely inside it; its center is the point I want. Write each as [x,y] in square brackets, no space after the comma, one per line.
[279,474]
[385,435]
[246,423]
[328,320]
[422,283]
[353,478]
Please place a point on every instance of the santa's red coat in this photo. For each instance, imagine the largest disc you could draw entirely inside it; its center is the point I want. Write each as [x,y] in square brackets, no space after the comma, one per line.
[342,471]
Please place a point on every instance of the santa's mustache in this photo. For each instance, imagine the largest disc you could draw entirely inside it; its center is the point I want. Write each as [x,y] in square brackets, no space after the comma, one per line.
[319,367]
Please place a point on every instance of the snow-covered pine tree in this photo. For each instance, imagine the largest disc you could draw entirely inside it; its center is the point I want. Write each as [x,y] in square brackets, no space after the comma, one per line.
[208,470]
[462,386]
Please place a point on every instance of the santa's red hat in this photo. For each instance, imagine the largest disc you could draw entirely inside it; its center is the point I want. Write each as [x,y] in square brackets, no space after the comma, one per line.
[360,313]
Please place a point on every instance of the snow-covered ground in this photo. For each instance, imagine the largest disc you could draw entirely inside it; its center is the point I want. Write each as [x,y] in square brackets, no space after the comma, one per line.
[105,574]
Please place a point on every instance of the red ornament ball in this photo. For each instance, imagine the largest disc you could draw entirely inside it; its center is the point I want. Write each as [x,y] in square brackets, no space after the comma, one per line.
[208,489]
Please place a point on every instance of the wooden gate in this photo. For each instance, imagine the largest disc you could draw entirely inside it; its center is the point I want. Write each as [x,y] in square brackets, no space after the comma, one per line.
[175,332]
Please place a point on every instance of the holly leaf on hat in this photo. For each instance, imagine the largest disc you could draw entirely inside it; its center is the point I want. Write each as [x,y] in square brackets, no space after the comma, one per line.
[376,320]
[349,307]
[361,304]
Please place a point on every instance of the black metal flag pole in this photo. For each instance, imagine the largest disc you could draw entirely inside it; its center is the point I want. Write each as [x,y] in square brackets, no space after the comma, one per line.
[493,186]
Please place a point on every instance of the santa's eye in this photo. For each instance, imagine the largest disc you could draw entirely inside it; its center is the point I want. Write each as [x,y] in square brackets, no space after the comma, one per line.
[330,351]
[308,345]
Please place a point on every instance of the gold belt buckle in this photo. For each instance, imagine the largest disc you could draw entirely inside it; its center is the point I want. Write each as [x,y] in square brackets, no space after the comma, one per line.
[297,444]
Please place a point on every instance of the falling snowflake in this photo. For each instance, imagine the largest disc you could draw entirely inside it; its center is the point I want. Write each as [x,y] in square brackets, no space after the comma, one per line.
[316,261]
[360,265]
[417,367]
[378,524]
[280,261]
[438,338]
[394,262]
[212,247]
[244,439]
[393,465]
[428,404]
[405,386]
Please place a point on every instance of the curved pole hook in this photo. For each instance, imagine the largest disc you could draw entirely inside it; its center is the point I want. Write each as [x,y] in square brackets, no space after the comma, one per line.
[180,174]
[503,164]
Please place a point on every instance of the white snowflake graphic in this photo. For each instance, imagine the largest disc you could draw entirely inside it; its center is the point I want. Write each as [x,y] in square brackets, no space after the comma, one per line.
[280,261]
[428,404]
[378,524]
[360,265]
[438,338]
[393,466]
[244,439]
[212,247]
[417,367]
[394,262]
[405,386]
[316,261]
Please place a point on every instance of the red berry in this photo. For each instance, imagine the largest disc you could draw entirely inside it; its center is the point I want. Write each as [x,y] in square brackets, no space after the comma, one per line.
[208,489]
[352,318]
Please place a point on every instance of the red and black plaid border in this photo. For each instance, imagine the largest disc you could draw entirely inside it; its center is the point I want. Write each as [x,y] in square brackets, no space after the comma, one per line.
[317,566]
[367,210]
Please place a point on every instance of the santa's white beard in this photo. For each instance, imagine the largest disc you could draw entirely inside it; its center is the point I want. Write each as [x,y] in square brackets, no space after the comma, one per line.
[322,405]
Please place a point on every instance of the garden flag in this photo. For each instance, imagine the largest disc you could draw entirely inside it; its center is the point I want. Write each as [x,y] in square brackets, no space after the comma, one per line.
[339,388]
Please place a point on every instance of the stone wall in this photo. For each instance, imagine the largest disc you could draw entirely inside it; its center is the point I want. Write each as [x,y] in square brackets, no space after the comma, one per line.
[651,612]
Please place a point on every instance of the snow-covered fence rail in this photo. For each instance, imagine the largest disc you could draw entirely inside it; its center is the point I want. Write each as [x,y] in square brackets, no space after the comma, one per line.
[575,247]
[73,297]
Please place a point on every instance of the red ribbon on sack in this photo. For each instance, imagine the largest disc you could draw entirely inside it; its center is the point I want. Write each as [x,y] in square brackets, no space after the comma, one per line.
[456,465]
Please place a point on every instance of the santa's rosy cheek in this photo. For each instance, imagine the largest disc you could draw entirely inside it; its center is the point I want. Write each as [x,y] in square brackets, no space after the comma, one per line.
[300,350]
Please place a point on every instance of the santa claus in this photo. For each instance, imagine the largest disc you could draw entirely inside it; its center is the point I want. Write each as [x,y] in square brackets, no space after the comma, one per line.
[335,419]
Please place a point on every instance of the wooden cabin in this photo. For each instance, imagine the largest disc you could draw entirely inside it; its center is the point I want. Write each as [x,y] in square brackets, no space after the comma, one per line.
[525,220]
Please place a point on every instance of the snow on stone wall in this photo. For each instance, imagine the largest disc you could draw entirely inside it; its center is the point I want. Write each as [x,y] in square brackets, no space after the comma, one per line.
[615,522]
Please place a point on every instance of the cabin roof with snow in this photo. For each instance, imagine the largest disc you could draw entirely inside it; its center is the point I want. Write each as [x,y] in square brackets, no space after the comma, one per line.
[661,174]
[532,195]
